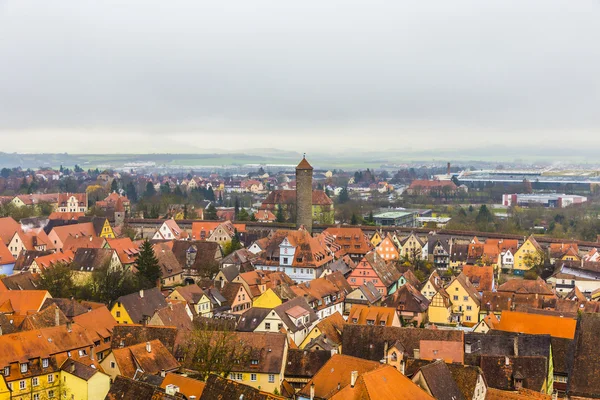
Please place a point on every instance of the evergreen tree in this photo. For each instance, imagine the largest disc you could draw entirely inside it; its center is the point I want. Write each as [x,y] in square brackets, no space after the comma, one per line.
[131,192]
[243,215]
[344,197]
[354,220]
[150,191]
[114,186]
[185,211]
[236,208]
[147,266]
[279,215]
[221,199]
[371,218]
[210,195]
[210,214]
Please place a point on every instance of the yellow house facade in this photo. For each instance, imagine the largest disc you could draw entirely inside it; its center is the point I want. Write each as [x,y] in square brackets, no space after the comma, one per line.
[465,301]
[120,314]
[267,300]
[440,308]
[95,387]
[529,251]
[412,247]
[107,231]
[4,391]
[376,239]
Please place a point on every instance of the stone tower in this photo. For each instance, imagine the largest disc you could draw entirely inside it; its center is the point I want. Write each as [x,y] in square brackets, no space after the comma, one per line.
[304,174]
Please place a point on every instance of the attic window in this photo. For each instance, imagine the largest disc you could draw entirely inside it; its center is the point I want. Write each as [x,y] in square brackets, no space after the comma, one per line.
[6,371]
[23,368]
[254,362]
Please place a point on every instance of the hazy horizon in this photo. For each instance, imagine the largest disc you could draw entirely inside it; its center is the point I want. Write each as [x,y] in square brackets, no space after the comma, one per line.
[88,77]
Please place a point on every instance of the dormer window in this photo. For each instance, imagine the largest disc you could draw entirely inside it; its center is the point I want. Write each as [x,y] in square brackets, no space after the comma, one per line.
[6,371]
[355,320]
[370,322]
[254,362]
[23,368]
[44,363]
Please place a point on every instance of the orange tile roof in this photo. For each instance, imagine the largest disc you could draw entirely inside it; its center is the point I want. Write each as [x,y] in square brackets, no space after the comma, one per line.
[382,383]
[5,256]
[537,324]
[86,242]
[522,394]
[66,216]
[24,301]
[35,236]
[362,313]
[50,260]
[77,230]
[187,386]
[126,249]
[481,277]
[8,227]
[337,370]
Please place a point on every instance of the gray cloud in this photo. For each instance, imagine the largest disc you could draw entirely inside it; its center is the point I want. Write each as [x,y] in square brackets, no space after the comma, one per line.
[237,73]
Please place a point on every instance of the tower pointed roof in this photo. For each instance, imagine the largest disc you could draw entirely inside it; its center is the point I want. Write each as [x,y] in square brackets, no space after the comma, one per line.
[304,164]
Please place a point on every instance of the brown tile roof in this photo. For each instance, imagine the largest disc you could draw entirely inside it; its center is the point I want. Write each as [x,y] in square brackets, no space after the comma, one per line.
[33,238]
[78,369]
[26,257]
[142,304]
[440,381]
[309,251]
[584,375]
[151,357]
[387,272]
[71,307]
[465,377]
[427,184]
[336,370]
[501,371]
[169,265]
[482,278]
[22,281]
[46,318]
[369,342]
[98,320]
[506,301]
[305,364]
[382,383]
[407,298]
[266,347]
[124,389]
[88,260]
[537,286]
[129,335]
[535,324]
[221,388]
[207,254]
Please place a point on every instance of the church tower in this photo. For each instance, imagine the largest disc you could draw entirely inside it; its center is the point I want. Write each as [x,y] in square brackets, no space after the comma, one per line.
[304,175]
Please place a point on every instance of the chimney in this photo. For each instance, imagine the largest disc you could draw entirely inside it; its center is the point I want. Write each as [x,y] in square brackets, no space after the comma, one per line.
[72,367]
[69,324]
[148,347]
[506,361]
[92,353]
[56,316]
[516,345]
[312,391]
[448,170]
[339,386]
[353,376]
[163,373]
[385,351]
[142,293]
[171,389]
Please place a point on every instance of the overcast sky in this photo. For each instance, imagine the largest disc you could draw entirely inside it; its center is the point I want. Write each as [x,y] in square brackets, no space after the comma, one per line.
[91,76]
